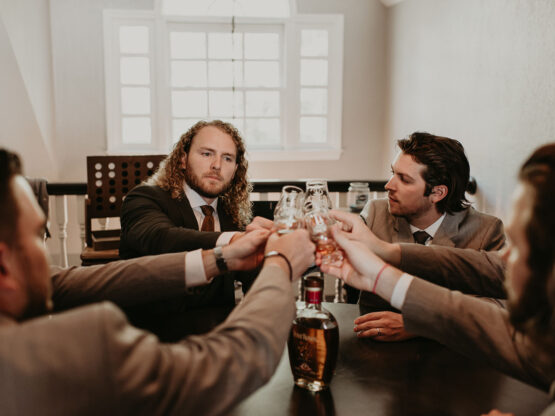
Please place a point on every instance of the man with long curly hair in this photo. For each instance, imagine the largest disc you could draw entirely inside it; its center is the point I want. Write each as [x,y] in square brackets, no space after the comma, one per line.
[197,199]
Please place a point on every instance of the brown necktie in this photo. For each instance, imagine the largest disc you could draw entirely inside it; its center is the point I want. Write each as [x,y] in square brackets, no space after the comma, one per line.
[208,222]
[421,237]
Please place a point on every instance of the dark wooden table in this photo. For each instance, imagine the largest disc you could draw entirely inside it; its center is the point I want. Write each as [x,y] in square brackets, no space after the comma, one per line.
[416,377]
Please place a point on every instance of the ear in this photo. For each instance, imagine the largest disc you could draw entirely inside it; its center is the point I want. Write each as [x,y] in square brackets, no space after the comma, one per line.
[438,193]
[184,161]
[7,278]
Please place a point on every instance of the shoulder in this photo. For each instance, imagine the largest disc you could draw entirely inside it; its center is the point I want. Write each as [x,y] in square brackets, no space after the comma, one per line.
[148,191]
[375,208]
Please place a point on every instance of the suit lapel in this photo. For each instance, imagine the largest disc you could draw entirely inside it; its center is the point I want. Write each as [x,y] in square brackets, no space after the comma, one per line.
[448,229]
[189,219]
[226,224]
[402,232]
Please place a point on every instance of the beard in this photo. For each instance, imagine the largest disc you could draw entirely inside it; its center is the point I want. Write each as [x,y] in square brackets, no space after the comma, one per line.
[197,185]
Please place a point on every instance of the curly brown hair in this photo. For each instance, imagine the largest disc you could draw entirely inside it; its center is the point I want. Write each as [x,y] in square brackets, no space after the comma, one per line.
[235,201]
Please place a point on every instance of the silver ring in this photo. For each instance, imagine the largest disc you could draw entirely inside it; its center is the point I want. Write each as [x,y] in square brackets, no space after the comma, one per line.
[379,331]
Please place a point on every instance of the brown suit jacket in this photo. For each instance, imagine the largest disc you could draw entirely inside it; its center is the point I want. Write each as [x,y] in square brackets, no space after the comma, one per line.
[477,329]
[90,361]
[465,229]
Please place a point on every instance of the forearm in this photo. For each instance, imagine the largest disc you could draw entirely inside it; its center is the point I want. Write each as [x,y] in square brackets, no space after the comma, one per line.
[470,271]
[126,282]
[473,327]
[228,363]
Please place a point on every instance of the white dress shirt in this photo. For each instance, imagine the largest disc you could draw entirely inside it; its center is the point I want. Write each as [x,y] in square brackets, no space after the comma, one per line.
[194,267]
[431,230]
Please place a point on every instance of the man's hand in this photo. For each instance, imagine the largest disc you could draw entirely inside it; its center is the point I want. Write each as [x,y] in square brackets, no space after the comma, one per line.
[296,246]
[382,326]
[357,230]
[260,223]
[247,251]
[360,265]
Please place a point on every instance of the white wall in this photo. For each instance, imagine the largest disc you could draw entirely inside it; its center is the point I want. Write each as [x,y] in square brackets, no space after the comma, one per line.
[26,98]
[481,71]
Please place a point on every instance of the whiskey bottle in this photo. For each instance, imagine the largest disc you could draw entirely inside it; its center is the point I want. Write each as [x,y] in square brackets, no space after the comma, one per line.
[314,340]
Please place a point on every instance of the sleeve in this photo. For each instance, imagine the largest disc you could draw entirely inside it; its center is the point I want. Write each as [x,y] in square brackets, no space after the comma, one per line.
[207,374]
[126,282]
[147,229]
[468,270]
[475,328]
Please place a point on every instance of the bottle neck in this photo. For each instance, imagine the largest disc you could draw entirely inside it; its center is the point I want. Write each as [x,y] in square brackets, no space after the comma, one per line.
[313,297]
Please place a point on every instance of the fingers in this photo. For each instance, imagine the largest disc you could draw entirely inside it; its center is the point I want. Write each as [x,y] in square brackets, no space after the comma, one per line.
[260,223]
[296,246]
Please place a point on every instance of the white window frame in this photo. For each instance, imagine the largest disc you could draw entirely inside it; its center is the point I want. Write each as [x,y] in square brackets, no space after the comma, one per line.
[290,89]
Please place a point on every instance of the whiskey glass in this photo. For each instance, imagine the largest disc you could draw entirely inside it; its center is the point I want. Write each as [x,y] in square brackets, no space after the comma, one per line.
[288,214]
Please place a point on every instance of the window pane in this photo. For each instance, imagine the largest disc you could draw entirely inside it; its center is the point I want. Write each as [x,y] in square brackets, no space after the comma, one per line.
[136,130]
[314,101]
[261,46]
[262,74]
[133,39]
[314,72]
[314,43]
[225,104]
[187,45]
[135,71]
[263,103]
[262,132]
[224,74]
[314,130]
[180,126]
[224,46]
[189,104]
[238,123]
[135,100]
[188,74]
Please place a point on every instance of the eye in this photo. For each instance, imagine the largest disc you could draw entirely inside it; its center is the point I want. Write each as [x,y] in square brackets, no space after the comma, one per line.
[228,158]
[206,154]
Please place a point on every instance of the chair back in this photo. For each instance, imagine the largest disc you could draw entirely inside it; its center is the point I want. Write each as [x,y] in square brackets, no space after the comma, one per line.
[109,179]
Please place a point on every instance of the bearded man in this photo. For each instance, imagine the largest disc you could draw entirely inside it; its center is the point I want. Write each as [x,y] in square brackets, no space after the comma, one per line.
[197,199]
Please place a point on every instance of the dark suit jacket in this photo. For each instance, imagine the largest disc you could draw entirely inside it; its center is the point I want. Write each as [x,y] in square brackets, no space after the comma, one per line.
[465,229]
[90,361]
[152,222]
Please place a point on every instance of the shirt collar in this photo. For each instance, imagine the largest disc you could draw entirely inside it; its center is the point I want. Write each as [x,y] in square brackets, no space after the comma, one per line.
[196,201]
[432,229]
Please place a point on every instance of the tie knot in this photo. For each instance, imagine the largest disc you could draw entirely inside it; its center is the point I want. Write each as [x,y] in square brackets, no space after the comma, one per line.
[207,210]
[421,237]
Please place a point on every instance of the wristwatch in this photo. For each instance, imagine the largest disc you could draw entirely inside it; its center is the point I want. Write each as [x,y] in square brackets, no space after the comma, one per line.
[220,261]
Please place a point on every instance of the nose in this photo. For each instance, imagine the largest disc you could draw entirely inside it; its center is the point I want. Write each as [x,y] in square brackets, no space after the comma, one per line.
[390,185]
[216,163]
[505,253]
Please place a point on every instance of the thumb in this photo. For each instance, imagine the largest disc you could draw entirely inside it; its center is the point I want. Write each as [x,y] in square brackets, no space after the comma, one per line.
[340,237]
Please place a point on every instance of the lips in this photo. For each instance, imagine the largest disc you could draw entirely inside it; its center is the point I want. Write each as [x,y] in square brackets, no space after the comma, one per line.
[214,178]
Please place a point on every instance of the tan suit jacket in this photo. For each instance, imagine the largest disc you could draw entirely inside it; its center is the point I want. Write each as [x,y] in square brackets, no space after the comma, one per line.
[468,229]
[477,329]
[90,361]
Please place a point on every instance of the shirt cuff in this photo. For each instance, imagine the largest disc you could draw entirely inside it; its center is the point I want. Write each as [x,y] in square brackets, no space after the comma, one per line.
[194,269]
[225,238]
[400,291]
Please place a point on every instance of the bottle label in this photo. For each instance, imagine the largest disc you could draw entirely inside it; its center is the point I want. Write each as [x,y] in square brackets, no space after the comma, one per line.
[313,295]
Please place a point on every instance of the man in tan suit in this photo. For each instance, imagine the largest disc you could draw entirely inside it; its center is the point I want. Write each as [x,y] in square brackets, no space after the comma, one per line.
[90,361]
[426,204]
[519,340]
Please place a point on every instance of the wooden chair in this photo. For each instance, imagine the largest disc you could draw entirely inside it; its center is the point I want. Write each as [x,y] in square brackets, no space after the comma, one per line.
[109,179]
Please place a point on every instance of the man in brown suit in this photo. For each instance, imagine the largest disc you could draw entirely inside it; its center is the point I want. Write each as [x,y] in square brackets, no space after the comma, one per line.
[90,361]
[426,204]
[519,340]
